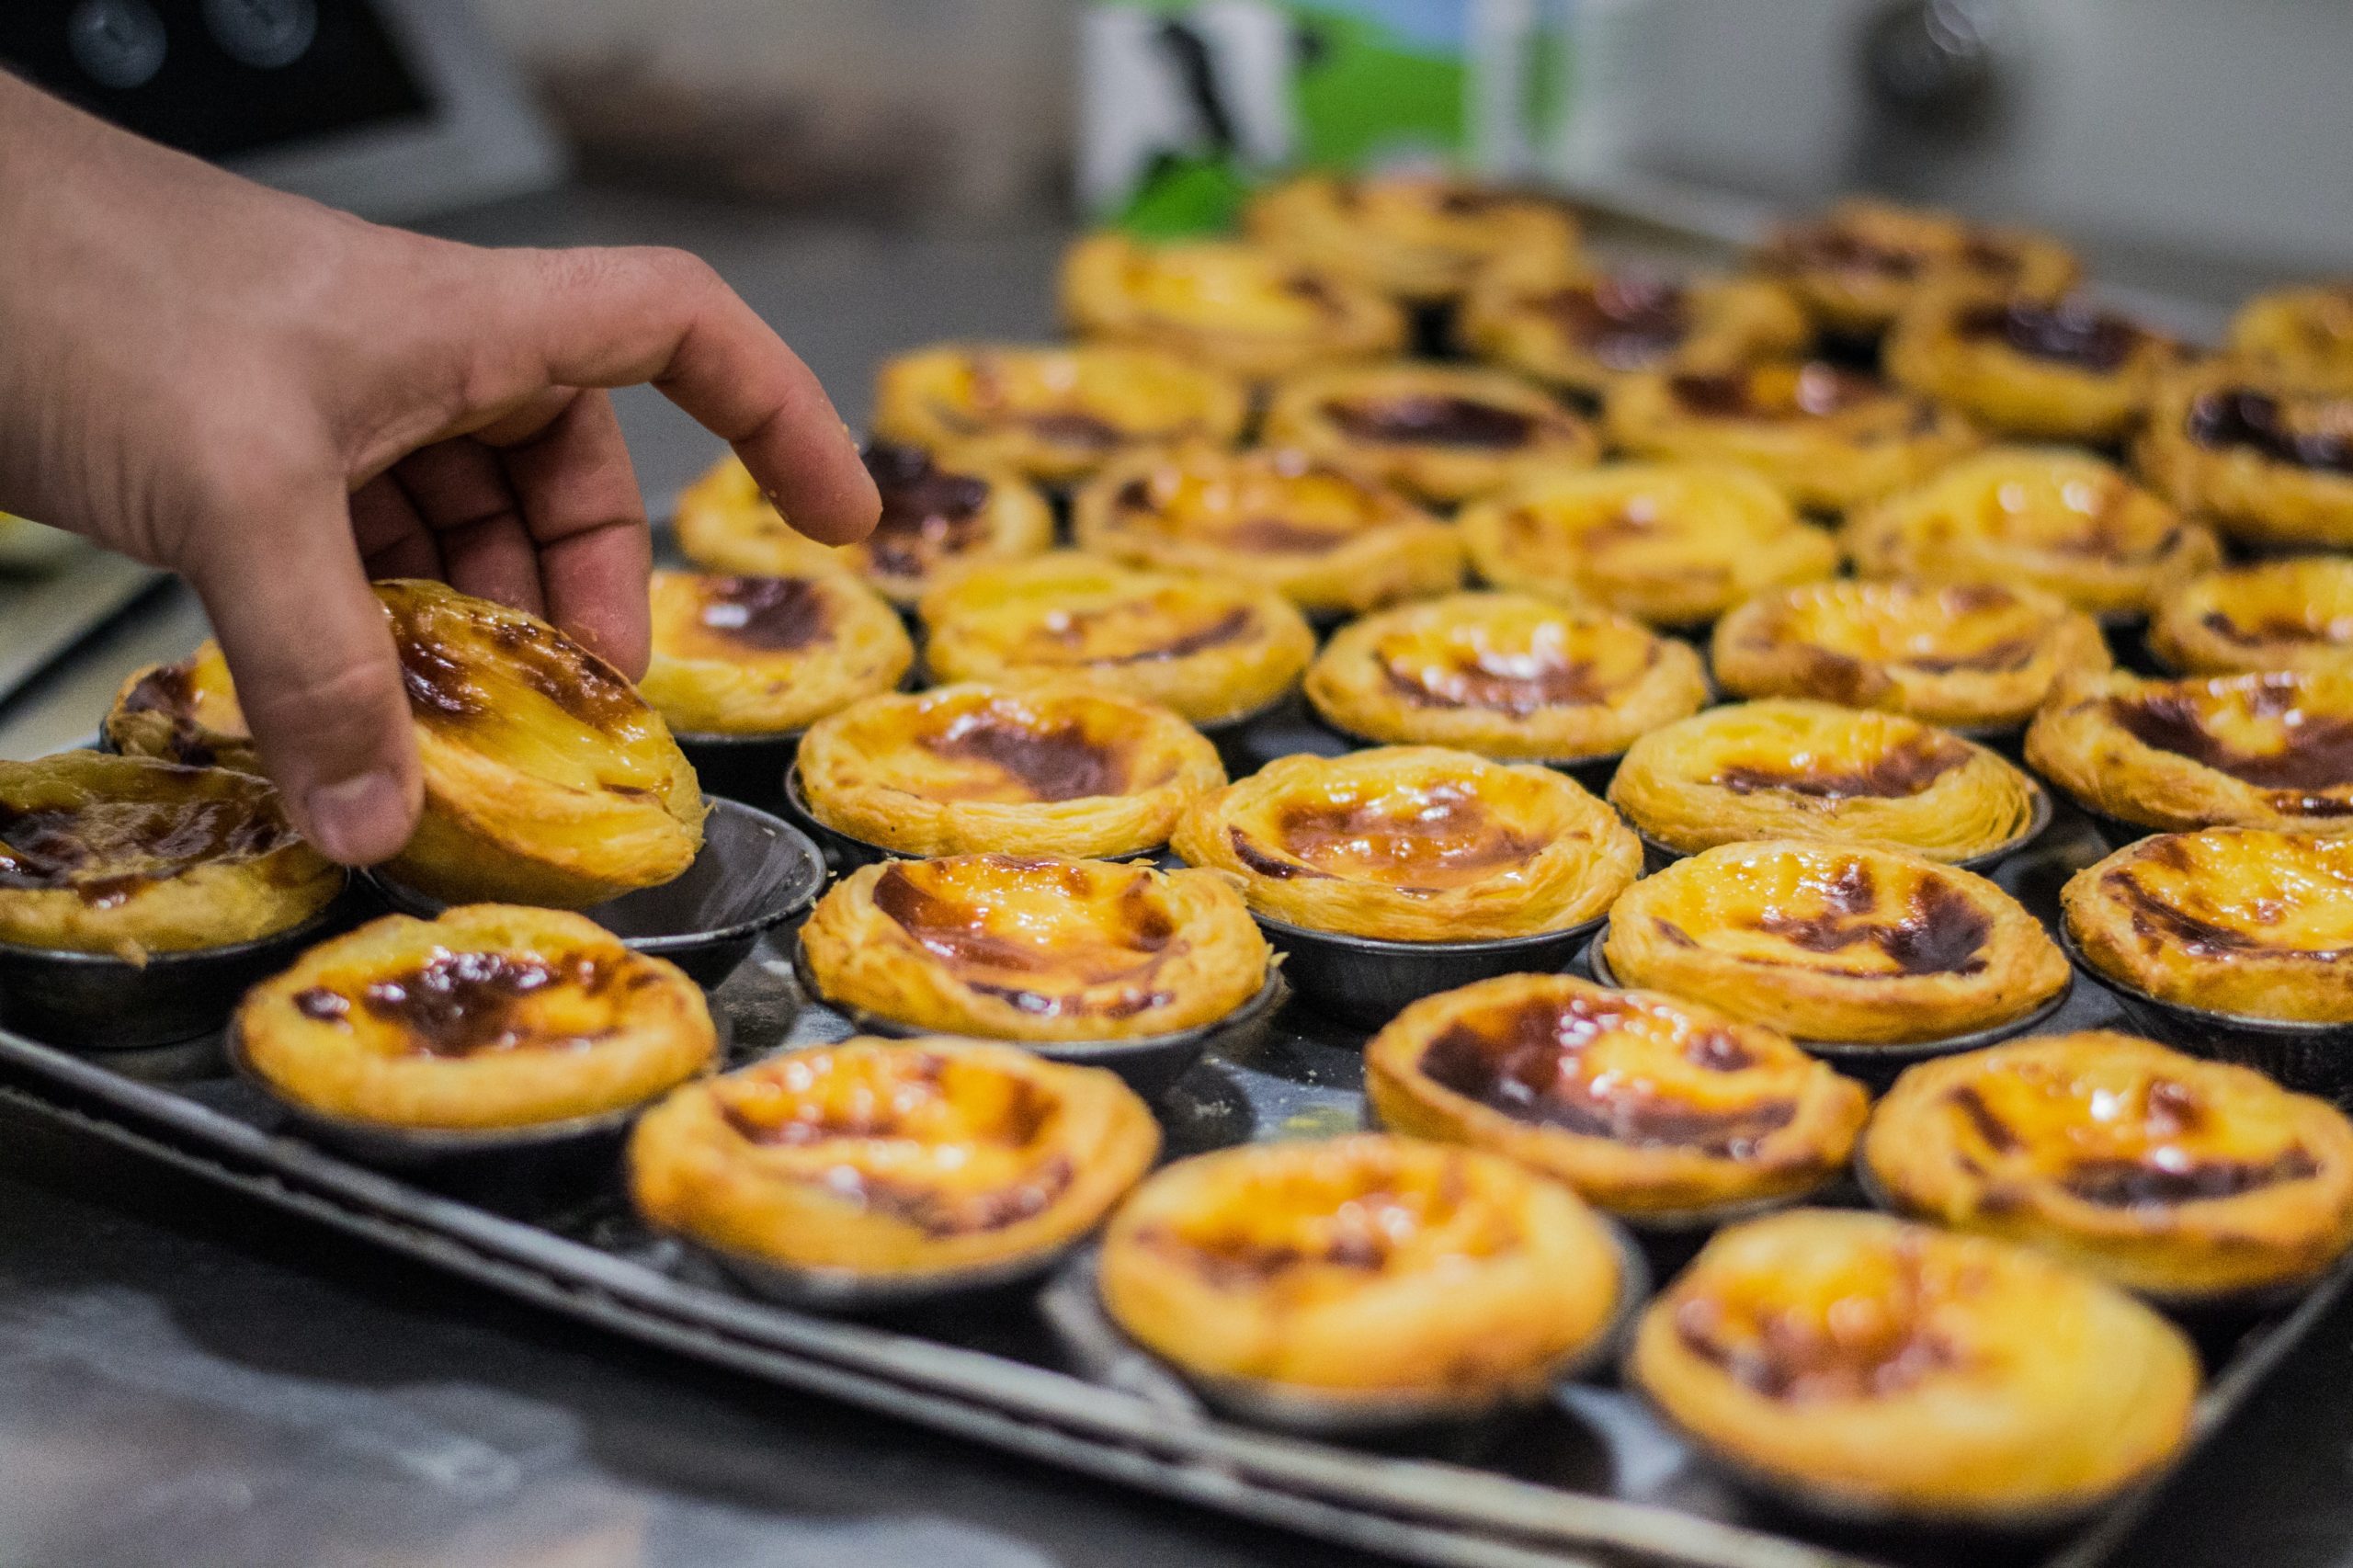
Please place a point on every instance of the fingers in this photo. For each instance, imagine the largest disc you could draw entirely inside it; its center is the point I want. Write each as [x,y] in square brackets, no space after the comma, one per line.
[393,541]
[313,658]
[607,318]
[581,506]
[459,487]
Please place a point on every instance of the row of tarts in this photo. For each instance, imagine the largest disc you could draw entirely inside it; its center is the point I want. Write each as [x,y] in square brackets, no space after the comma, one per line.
[1457,1260]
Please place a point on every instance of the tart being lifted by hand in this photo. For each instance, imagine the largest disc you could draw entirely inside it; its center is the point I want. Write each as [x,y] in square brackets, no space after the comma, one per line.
[547,780]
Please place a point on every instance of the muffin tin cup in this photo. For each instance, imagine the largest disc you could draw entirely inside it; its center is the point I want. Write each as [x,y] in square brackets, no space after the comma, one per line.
[1150,1064]
[1658,856]
[749,768]
[851,1291]
[846,854]
[2195,1308]
[754,872]
[1093,1339]
[1879,1065]
[576,1146]
[1367,979]
[2311,1058]
[1284,727]
[98,1002]
[1593,772]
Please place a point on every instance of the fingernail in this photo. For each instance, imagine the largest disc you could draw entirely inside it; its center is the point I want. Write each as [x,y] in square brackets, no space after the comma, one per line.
[358,820]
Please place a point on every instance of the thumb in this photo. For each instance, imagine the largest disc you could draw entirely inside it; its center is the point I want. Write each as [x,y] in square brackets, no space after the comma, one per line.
[312,655]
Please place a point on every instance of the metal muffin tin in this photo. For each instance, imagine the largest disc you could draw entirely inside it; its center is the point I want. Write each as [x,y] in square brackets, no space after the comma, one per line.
[1879,1065]
[1149,1065]
[753,873]
[749,768]
[1367,981]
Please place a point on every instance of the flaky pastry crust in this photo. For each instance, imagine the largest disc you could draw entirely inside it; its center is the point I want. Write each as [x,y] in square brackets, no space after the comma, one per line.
[1857,266]
[2291,614]
[1248,309]
[760,656]
[2039,370]
[1418,238]
[1585,332]
[185,713]
[1414,844]
[2267,461]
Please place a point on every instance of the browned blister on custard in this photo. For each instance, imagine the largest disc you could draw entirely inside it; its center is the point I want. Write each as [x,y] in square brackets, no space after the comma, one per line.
[892,1159]
[1645,1103]
[1885,1369]
[767,655]
[1035,947]
[2291,614]
[1260,1265]
[1039,768]
[2265,456]
[2184,1179]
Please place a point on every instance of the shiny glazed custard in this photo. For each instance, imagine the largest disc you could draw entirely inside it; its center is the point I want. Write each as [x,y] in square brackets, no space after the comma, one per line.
[891,1159]
[1673,544]
[2268,459]
[547,780]
[1507,676]
[2291,614]
[1035,947]
[1875,1366]
[1784,768]
[938,513]
[2251,750]
[133,855]
[1330,537]
[1262,1265]
[1441,433]
[1973,655]
[184,712]
[1247,309]
[1414,844]
[1054,414]
[763,656]
[1213,648]
[1826,437]
[1037,771]
[2063,521]
[2240,921]
[1647,1104]
[2166,1174]
[1834,942]
[490,1016]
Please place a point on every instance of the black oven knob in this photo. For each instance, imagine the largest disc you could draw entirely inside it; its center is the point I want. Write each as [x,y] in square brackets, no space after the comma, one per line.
[119,43]
[267,34]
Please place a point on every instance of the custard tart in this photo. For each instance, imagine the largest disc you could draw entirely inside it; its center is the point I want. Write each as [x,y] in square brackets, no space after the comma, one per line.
[1046,770]
[1414,844]
[491,1016]
[2184,1179]
[2295,613]
[1054,414]
[547,780]
[891,1161]
[1325,535]
[2042,517]
[1835,942]
[1585,332]
[1673,544]
[1365,1268]
[1872,1367]
[2303,337]
[1212,648]
[1857,266]
[2041,369]
[758,655]
[2234,920]
[937,512]
[1418,238]
[184,712]
[133,855]
[1976,655]
[1827,438]
[1651,1106]
[1442,433]
[1507,676]
[2271,750]
[1788,768]
[1035,947]
[1247,310]
[2270,462]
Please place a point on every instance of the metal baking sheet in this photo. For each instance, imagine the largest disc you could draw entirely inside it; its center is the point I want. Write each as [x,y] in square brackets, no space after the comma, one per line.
[1588,1479]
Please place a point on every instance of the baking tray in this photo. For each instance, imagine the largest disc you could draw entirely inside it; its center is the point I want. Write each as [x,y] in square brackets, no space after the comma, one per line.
[1589,1478]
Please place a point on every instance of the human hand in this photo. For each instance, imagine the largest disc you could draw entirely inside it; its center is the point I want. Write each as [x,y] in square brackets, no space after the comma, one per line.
[280,402]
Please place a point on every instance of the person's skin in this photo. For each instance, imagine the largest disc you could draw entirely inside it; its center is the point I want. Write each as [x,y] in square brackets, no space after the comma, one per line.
[281,401]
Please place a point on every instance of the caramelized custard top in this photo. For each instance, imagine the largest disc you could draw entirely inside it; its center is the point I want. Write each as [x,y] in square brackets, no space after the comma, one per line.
[2274,731]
